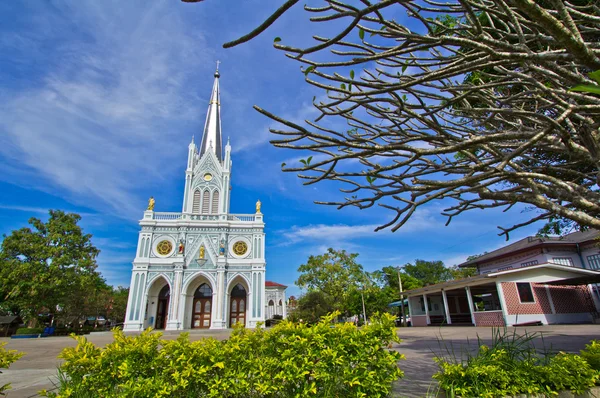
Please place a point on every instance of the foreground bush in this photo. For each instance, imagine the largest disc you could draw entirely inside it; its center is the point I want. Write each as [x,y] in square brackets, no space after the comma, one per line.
[592,354]
[290,360]
[512,366]
[6,358]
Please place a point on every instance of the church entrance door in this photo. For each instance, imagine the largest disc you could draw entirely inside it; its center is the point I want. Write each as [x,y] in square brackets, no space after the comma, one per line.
[237,306]
[202,307]
[162,310]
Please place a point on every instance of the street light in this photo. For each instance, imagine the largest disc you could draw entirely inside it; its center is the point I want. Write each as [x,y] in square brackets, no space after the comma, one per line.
[401,297]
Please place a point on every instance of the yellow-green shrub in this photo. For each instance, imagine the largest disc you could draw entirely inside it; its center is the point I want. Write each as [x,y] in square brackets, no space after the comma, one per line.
[592,354]
[512,366]
[6,358]
[290,360]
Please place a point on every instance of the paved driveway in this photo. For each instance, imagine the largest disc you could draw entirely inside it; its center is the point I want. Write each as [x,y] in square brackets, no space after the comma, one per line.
[36,370]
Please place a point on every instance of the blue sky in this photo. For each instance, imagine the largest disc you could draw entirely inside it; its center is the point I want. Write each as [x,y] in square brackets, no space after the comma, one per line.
[99,100]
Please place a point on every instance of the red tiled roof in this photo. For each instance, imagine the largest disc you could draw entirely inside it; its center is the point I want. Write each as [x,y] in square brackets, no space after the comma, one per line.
[273,284]
[532,242]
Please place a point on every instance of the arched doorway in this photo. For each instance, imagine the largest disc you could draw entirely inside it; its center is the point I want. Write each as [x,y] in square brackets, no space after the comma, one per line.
[237,305]
[162,309]
[271,308]
[202,307]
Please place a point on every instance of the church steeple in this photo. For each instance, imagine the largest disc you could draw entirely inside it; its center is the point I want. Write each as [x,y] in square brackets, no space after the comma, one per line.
[211,139]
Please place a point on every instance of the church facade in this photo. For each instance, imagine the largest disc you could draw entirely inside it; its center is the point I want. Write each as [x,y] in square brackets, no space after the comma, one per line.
[203,267]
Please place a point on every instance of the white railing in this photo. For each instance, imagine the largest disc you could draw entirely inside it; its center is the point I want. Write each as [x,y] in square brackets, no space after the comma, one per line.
[241,217]
[163,215]
[171,216]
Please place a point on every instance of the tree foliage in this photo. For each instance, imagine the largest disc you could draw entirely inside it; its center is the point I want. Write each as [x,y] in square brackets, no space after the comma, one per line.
[429,272]
[49,267]
[335,274]
[477,103]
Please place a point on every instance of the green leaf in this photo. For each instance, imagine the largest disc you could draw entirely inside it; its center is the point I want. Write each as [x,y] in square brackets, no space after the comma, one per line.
[308,70]
[277,39]
[587,88]
[283,165]
[349,87]
[361,34]
[371,180]
[343,86]
[404,67]
[404,98]
[352,74]
[314,98]
[595,76]
[308,160]
[303,162]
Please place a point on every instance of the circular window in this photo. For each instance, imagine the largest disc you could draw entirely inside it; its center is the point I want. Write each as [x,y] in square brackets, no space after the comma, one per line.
[165,247]
[240,248]
[207,177]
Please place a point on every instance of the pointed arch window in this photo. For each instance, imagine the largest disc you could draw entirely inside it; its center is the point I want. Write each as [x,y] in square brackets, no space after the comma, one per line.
[205,202]
[196,202]
[215,202]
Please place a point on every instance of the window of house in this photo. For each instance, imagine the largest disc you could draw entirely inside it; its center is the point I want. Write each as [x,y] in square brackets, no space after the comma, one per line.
[594,261]
[528,263]
[568,261]
[505,268]
[525,292]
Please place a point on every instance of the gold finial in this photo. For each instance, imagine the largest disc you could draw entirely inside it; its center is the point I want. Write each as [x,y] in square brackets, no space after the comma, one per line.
[151,203]
[201,255]
[258,206]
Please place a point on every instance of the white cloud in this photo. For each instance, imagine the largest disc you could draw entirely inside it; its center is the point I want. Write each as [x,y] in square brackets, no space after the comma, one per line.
[97,122]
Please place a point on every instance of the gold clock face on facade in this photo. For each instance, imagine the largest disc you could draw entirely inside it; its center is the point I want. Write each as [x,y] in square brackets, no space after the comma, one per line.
[164,247]
[207,177]
[240,248]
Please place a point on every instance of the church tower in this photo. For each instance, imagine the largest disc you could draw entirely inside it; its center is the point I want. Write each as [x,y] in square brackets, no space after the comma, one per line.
[203,267]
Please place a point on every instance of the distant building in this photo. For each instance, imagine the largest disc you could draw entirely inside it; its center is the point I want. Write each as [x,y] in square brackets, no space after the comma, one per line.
[534,280]
[203,267]
[275,299]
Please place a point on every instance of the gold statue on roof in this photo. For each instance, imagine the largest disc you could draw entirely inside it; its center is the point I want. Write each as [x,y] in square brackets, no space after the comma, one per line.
[151,203]
[258,206]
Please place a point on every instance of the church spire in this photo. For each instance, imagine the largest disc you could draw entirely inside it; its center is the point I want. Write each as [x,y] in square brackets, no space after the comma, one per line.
[211,139]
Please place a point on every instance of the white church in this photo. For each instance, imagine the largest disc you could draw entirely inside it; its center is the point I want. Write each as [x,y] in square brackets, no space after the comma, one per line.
[203,267]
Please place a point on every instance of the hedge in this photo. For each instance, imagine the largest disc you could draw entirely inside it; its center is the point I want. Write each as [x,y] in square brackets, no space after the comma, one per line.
[22,331]
[512,366]
[289,360]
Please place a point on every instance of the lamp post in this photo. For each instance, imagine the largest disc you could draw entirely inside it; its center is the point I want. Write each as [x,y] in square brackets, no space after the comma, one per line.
[401,298]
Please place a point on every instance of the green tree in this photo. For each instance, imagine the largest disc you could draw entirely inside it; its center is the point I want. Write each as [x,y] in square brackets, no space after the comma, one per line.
[508,86]
[428,272]
[41,267]
[311,307]
[335,273]
[460,273]
[118,304]
[409,282]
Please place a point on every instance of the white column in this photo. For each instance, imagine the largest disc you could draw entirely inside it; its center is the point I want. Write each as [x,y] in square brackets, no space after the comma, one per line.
[175,322]
[502,303]
[283,301]
[219,320]
[129,324]
[426,308]
[446,309]
[471,307]
[550,299]
[410,310]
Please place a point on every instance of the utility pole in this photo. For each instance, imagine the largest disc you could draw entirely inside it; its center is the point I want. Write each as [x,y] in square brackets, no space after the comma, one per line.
[363,303]
[401,298]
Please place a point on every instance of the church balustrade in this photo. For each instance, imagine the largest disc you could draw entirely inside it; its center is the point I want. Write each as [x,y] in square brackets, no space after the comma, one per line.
[241,217]
[170,216]
[166,216]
